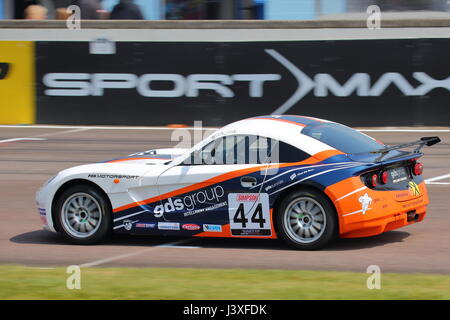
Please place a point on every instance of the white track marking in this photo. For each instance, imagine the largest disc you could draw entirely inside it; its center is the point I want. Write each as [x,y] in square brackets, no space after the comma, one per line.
[445,176]
[438,183]
[62,132]
[101,128]
[404,130]
[40,136]
[175,245]
[130,215]
[21,139]
[349,194]
[189,128]
[127,255]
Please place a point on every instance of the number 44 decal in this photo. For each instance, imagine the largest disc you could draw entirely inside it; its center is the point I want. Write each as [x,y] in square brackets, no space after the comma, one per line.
[249,214]
[257,216]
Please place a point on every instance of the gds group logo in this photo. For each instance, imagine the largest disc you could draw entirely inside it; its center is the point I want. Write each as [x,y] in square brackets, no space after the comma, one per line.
[190,201]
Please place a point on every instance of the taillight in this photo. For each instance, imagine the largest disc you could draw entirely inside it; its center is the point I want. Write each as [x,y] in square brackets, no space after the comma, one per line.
[384,177]
[418,169]
[374,180]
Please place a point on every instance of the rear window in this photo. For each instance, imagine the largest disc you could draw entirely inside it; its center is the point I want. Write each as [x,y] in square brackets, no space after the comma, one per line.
[342,138]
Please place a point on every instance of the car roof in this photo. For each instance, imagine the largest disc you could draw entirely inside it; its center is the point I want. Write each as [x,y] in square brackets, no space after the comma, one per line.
[286,128]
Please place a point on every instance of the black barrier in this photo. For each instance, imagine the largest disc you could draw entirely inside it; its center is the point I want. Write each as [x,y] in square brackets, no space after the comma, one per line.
[355,82]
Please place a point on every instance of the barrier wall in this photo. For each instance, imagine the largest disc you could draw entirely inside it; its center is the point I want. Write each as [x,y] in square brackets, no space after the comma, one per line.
[356,82]
[388,77]
[17,82]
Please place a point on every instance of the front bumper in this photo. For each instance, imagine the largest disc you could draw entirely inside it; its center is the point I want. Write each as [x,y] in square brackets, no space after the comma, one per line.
[44,209]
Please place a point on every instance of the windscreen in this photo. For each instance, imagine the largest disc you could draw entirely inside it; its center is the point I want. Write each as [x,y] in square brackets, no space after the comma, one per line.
[342,138]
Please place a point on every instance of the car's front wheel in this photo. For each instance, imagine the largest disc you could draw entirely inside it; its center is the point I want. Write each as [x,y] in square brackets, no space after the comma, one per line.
[306,220]
[83,215]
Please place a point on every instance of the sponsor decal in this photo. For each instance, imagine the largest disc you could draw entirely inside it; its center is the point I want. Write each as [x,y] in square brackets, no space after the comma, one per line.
[145,225]
[192,85]
[213,207]
[86,84]
[190,201]
[295,175]
[398,175]
[17,79]
[401,195]
[365,201]
[276,184]
[246,197]
[212,228]
[190,226]
[250,232]
[128,224]
[413,188]
[412,204]
[168,226]
[111,176]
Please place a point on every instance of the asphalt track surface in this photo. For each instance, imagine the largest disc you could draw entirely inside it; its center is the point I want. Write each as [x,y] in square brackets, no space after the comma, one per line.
[26,164]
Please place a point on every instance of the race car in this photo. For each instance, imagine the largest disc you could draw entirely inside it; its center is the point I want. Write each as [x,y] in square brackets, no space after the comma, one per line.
[304,180]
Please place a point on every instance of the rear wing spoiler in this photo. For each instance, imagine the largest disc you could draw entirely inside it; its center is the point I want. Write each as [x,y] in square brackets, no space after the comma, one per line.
[425,141]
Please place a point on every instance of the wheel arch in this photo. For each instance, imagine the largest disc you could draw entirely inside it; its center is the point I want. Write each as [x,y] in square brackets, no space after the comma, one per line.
[303,186]
[66,186]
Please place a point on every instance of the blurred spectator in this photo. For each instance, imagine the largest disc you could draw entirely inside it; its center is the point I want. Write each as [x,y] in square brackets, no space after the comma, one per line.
[90,9]
[36,12]
[126,10]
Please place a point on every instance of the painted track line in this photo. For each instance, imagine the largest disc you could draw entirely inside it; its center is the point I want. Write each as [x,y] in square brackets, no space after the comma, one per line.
[131,254]
[102,128]
[21,139]
[40,136]
[62,132]
[188,128]
[445,176]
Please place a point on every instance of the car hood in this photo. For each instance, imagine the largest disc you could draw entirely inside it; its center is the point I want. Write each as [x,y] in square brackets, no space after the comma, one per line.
[153,156]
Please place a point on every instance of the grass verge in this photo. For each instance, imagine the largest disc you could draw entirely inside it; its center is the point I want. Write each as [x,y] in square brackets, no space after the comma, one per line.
[18,282]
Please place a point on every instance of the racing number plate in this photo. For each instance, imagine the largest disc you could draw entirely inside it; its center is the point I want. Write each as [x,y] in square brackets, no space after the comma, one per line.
[398,174]
[249,214]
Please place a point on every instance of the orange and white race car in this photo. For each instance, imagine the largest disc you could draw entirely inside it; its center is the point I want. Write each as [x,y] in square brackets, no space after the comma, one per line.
[302,179]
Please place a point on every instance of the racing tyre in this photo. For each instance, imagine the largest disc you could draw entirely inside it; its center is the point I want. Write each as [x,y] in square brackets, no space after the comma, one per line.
[83,215]
[306,220]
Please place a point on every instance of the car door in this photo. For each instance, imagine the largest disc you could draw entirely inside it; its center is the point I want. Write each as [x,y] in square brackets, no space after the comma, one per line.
[217,188]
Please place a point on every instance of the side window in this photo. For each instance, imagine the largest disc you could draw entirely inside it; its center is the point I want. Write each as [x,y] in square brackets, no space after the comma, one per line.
[235,149]
[283,152]
[259,149]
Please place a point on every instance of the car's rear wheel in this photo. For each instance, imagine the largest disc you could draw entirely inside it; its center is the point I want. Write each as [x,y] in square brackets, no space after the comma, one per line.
[306,220]
[83,215]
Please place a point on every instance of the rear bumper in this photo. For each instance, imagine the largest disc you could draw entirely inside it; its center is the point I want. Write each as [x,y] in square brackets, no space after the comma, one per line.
[383,211]
[382,224]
